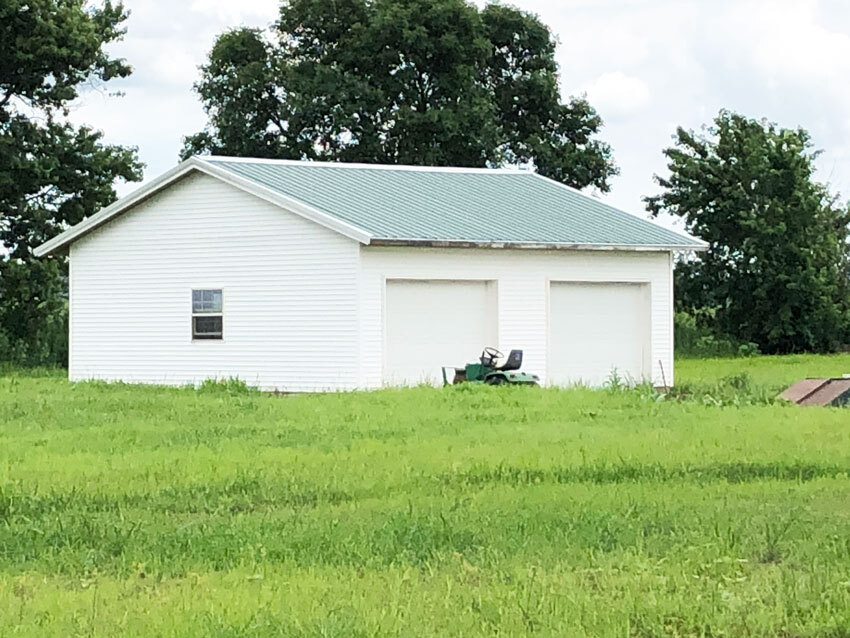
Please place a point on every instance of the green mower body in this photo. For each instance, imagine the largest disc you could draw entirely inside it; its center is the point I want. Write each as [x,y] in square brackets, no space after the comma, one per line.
[486,370]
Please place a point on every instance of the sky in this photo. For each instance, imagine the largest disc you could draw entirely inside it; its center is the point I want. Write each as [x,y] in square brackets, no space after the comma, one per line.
[647,66]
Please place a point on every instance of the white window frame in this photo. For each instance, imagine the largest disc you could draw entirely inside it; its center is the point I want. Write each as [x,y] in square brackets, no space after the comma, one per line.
[206,313]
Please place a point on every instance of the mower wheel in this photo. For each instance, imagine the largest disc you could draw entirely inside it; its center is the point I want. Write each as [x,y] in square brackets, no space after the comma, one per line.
[497,381]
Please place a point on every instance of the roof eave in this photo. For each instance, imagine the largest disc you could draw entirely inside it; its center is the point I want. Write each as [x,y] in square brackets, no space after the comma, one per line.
[700,244]
[455,243]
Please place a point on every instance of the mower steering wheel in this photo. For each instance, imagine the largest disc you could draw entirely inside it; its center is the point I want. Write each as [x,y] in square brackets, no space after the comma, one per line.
[489,356]
[493,353]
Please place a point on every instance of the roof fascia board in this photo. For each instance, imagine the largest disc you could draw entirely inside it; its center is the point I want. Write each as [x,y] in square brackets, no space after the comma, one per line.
[458,243]
[700,245]
[285,202]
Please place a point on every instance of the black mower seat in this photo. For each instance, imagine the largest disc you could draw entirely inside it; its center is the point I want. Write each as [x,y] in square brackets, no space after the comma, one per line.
[513,362]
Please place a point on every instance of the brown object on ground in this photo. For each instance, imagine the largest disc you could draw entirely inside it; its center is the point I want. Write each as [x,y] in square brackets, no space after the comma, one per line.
[802,389]
[834,392]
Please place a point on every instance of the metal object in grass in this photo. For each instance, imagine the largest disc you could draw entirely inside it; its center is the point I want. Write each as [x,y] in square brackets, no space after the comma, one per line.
[488,371]
[823,392]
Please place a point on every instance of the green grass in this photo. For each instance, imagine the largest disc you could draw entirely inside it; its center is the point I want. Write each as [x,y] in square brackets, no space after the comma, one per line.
[774,372]
[471,511]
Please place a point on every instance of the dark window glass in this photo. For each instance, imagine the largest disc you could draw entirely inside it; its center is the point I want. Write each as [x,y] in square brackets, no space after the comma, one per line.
[207,327]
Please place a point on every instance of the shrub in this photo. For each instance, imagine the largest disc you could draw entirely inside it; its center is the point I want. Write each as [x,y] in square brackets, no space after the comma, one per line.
[694,338]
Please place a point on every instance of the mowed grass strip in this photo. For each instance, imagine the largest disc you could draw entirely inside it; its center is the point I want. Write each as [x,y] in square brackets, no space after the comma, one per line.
[463,511]
[771,372]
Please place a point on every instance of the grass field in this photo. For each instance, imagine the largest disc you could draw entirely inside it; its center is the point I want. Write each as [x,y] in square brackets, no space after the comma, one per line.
[467,511]
[773,372]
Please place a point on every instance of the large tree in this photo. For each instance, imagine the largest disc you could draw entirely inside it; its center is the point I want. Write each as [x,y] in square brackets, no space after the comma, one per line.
[52,173]
[434,82]
[776,271]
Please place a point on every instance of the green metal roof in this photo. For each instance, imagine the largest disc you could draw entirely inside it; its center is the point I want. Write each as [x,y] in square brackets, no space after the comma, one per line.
[413,205]
[416,204]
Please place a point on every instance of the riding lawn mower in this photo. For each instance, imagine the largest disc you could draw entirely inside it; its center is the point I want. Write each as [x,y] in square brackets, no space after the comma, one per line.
[487,371]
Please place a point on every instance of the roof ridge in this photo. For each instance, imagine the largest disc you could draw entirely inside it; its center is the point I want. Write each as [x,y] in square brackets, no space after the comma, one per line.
[364,165]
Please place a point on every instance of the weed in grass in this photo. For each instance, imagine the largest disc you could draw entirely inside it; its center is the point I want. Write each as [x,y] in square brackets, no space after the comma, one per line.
[774,533]
[734,390]
[229,385]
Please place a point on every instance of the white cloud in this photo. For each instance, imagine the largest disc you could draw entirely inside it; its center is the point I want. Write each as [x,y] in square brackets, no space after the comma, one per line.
[788,43]
[176,67]
[159,107]
[647,66]
[236,11]
[617,95]
[790,59]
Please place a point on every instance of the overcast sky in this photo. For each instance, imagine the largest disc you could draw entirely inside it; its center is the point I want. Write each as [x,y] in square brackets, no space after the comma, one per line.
[646,65]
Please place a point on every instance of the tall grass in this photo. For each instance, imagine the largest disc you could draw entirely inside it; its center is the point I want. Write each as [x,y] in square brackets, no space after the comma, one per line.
[220,511]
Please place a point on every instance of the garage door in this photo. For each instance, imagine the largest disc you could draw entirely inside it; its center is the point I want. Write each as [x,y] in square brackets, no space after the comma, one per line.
[433,323]
[596,328]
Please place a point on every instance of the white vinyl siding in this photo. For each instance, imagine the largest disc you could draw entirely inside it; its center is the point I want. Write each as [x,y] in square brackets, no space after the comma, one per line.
[522,281]
[289,287]
[434,323]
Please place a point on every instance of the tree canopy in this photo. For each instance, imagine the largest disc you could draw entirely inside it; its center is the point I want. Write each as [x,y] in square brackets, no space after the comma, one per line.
[776,271]
[52,173]
[431,82]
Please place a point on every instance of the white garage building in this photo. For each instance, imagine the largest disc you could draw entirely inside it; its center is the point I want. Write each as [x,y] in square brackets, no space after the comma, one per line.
[308,277]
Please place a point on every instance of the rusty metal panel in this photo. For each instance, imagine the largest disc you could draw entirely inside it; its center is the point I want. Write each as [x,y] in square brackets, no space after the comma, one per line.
[829,393]
[802,389]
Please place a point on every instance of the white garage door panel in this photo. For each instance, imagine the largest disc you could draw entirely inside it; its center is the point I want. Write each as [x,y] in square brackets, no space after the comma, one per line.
[431,323]
[595,328]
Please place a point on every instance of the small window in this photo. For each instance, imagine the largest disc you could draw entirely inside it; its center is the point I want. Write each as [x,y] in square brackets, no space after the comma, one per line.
[207,317]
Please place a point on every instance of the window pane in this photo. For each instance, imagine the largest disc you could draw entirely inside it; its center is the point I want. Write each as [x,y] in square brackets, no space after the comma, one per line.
[206,301]
[207,327]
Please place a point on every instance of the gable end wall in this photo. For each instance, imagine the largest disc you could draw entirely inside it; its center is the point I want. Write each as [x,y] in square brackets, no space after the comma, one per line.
[290,293]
